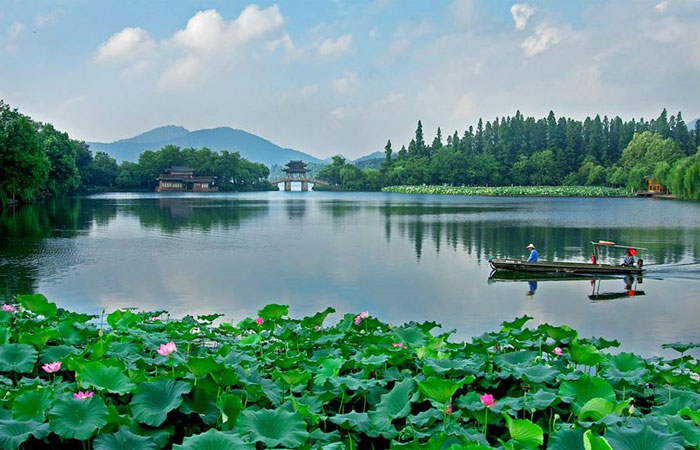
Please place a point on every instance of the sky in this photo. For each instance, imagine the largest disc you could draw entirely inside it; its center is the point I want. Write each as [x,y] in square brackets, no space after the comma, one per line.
[329,77]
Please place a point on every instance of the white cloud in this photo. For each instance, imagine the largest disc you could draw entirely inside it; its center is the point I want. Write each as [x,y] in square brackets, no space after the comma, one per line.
[406,32]
[463,11]
[332,48]
[15,31]
[44,20]
[662,6]
[128,44]
[373,33]
[521,13]
[285,42]
[346,83]
[299,94]
[545,37]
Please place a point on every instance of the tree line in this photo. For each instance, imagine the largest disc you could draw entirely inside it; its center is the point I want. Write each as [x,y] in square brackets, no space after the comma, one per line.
[546,151]
[37,160]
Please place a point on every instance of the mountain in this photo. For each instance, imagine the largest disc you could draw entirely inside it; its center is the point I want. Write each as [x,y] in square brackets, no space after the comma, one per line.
[250,146]
[691,123]
[375,155]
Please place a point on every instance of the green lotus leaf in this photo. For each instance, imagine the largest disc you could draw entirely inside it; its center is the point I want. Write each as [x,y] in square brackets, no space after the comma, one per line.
[558,333]
[446,366]
[230,406]
[123,319]
[31,405]
[524,432]
[214,440]
[587,387]
[38,338]
[569,439]
[623,367]
[273,311]
[673,400]
[517,323]
[105,378]
[153,400]
[38,304]
[56,353]
[352,421]
[521,358]
[537,374]
[595,409]
[585,354]
[15,433]
[593,442]
[694,415]
[687,428]
[412,336]
[73,418]
[204,366]
[123,440]
[252,340]
[330,367]
[681,347]
[293,377]
[318,318]
[395,404]
[642,437]
[18,358]
[441,390]
[273,427]
[440,441]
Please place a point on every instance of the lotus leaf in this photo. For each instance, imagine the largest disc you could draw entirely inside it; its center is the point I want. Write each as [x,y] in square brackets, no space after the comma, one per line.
[73,418]
[32,405]
[273,427]
[593,442]
[15,433]
[102,377]
[273,311]
[584,389]
[642,437]
[124,440]
[153,400]
[38,304]
[524,432]
[439,389]
[17,358]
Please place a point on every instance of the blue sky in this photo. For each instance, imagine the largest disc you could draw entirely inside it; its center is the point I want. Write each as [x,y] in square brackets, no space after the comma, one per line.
[343,76]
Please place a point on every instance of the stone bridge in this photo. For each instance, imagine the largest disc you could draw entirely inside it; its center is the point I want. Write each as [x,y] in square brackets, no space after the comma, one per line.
[303,180]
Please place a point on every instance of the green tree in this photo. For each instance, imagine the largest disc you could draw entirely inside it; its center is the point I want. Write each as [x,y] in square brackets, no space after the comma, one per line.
[24,167]
[63,176]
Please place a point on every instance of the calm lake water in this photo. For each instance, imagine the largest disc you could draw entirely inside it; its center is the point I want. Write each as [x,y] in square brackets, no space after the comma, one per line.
[401,257]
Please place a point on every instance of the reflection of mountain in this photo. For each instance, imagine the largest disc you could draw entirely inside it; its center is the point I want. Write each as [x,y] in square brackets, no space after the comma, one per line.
[174,214]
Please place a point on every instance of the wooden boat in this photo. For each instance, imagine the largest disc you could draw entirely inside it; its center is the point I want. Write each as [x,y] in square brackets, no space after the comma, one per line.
[563,267]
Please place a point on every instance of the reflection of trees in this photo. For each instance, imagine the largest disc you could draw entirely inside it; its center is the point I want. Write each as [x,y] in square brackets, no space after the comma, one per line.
[339,209]
[295,209]
[506,239]
[174,214]
[23,231]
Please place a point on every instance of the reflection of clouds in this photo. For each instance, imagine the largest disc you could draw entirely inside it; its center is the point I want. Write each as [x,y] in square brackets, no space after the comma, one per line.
[339,254]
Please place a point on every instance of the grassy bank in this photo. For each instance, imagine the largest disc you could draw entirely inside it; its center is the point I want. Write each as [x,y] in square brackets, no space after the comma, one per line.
[142,380]
[512,191]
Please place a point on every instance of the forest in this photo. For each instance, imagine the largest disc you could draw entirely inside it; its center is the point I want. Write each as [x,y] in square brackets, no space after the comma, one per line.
[540,152]
[36,160]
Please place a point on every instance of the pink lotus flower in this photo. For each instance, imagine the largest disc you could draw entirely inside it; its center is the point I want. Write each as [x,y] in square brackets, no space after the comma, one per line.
[557,351]
[317,328]
[154,318]
[360,317]
[9,308]
[166,349]
[259,320]
[487,400]
[52,367]
[399,345]
[83,395]
[448,409]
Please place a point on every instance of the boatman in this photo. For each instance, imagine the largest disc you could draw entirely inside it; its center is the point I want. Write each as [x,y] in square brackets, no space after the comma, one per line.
[534,256]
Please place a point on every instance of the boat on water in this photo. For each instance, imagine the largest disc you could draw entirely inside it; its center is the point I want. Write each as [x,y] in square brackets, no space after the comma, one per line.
[565,267]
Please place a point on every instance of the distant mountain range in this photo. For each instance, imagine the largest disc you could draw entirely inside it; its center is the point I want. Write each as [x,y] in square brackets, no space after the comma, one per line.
[250,146]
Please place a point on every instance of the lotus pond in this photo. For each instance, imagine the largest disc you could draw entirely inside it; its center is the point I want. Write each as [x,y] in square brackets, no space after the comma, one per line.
[143,380]
[510,191]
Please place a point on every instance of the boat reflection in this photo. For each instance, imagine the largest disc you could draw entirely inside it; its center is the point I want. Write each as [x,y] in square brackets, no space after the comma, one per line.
[630,284]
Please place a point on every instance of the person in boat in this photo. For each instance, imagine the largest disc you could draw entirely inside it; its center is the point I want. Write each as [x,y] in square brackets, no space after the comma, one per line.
[534,256]
[629,261]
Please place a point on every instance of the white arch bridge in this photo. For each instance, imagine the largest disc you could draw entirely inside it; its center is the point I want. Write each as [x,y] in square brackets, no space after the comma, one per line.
[303,180]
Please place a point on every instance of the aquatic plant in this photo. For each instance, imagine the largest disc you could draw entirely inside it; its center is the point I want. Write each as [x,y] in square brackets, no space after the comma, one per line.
[512,191]
[301,383]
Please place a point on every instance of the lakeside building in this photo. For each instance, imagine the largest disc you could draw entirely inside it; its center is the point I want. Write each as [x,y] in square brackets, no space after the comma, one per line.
[181,178]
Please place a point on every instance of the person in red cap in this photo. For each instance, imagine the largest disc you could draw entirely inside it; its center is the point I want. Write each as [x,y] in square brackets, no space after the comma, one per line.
[629,258]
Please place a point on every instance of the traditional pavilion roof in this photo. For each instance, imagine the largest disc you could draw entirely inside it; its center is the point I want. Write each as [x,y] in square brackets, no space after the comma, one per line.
[295,166]
[179,169]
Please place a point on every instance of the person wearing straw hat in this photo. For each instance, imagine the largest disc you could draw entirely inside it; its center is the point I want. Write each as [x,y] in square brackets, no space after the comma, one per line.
[534,256]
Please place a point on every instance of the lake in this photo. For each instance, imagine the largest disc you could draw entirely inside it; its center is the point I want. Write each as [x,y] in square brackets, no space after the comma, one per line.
[401,257]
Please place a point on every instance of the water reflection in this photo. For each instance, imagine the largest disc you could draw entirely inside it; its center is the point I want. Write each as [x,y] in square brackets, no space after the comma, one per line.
[402,257]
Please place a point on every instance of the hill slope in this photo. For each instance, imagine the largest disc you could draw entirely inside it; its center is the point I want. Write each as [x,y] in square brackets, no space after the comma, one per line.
[250,146]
